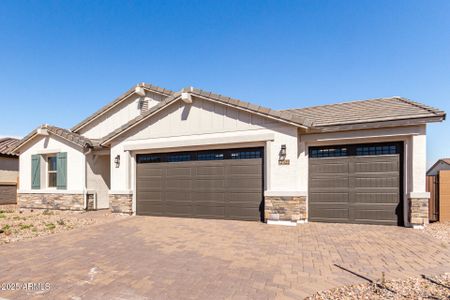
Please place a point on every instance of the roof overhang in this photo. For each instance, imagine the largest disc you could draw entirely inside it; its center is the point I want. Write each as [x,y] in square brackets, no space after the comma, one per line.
[186,96]
[379,124]
[42,131]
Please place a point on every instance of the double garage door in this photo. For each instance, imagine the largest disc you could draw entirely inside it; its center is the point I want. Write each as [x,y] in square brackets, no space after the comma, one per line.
[220,184]
[356,184]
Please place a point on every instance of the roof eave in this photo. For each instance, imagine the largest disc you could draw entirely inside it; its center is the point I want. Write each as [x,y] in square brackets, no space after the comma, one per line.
[118,100]
[378,124]
[290,119]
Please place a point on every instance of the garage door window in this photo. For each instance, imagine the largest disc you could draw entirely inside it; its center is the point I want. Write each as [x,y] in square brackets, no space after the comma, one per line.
[328,152]
[248,153]
[354,150]
[210,156]
[377,150]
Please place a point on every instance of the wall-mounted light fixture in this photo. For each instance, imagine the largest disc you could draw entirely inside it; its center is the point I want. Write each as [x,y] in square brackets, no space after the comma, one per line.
[117,161]
[283,152]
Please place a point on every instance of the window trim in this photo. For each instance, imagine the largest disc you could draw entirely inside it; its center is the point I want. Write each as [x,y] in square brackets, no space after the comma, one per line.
[48,171]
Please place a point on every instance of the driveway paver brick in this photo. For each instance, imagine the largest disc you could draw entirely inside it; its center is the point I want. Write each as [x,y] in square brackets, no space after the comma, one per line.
[174,258]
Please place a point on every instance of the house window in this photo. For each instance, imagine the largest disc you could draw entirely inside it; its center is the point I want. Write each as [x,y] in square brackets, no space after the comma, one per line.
[52,171]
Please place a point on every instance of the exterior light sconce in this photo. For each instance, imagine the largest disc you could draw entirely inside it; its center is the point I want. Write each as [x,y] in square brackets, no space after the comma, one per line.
[282,156]
[283,152]
[117,161]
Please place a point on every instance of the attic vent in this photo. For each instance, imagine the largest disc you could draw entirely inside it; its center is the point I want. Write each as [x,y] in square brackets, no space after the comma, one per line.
[143,104]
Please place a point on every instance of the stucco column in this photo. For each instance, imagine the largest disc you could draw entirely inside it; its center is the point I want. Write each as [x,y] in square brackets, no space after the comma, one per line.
[418,197]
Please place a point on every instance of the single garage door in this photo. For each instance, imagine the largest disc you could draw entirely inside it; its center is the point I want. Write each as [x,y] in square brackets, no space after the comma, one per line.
[219,184]
[356,184]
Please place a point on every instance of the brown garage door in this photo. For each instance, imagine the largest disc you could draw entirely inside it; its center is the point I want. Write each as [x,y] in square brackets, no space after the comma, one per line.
[356,184]
[219,184]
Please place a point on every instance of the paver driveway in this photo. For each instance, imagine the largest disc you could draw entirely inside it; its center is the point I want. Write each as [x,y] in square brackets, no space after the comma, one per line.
[171,258]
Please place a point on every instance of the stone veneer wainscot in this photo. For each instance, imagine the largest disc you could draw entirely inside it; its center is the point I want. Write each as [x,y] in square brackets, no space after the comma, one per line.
[418,211]
[51,201]
[121,203]
[285,208]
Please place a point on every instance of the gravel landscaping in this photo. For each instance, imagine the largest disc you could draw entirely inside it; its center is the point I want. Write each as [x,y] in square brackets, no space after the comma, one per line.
[19,225]
[425,287]
[439,230]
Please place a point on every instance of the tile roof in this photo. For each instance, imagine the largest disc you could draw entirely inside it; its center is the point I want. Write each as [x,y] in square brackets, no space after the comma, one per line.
[279,115]
[119,99]
[365,111]
[65,134]
[7,145]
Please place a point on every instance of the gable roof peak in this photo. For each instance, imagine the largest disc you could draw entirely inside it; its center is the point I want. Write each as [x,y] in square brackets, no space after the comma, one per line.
[120,99]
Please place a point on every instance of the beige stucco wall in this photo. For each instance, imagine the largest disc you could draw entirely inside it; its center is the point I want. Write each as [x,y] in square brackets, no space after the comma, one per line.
[46,145]
[118,116]
[206,125]
[9,169]
[98,178]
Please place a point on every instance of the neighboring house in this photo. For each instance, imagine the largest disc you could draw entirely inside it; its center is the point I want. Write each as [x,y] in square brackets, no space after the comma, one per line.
[193,153]
[9,171]
[441,164]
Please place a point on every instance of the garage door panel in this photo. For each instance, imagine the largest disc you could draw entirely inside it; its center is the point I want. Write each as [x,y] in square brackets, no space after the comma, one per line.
[244,197]
[178,195]
[329,167]
[378,214]
[372,167]
[177,184]
[250,169]
[150,208]
[210,170]
[221,188]
[329,182]
[208,184]
[334,212]
[153,172]
[360,188]
[151,195]
[248,183]
[377,198]
[242,213]
[207,197]
[150,184]
[329,197]
[179,172]
[178,207]
[374,182]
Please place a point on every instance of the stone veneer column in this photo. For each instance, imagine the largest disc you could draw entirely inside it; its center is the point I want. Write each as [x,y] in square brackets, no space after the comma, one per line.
[121,203]
[418,212]
[284,209]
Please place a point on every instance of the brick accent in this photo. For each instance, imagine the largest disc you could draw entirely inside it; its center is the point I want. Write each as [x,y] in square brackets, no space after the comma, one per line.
[51,201]
[291,208]
[121,203]
[418,211]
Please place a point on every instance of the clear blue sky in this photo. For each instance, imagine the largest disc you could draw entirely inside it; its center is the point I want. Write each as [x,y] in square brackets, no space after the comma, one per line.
[62,60]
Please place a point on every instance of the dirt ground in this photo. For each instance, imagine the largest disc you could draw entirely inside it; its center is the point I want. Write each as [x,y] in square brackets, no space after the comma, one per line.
[16,225]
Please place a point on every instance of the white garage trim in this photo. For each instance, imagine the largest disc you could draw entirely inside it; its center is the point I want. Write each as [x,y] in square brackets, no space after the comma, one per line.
[198,140]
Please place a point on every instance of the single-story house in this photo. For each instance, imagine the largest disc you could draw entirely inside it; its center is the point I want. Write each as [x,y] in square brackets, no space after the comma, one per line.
[193,153]
[9,171]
